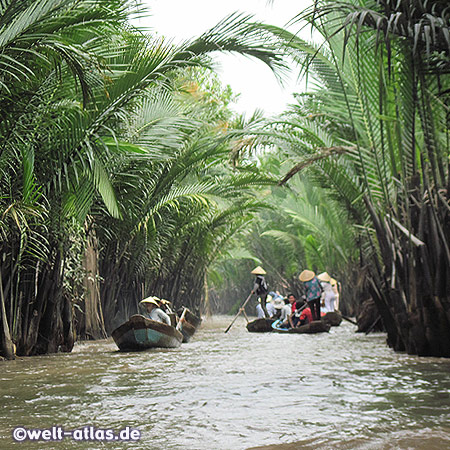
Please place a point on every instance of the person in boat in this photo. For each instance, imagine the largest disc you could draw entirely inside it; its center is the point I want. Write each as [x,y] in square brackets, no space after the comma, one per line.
[285,315]
[287,312]
[270,309]
[260,288]
[153,311]
[165,305]
[313,292]
[335,287]
[295,314]
[278,303]
[276,297]
[302,315]
[292,301]
[329,296]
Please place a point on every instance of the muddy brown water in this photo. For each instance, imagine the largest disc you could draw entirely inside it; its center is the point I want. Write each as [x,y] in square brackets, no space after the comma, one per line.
[239,390]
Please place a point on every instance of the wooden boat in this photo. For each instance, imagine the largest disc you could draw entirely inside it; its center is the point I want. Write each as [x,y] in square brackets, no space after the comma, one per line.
[260,325]
[317,326]
[140,333]
[334,318]
[188,324]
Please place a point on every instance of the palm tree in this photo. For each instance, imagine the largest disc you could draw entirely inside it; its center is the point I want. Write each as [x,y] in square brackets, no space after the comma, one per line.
[390,113]
[42,51]
[73,76]
[299,227]
[180,206]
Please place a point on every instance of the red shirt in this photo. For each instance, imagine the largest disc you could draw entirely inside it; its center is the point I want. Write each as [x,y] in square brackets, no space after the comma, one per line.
[306,314]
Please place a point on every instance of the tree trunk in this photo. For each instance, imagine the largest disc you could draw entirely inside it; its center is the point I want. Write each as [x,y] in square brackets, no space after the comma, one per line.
[7,346]
[90,321]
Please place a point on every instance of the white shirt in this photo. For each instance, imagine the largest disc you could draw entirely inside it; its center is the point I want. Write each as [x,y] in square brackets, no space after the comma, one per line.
[327,288]
[160,316]
[285,312]
[270,309]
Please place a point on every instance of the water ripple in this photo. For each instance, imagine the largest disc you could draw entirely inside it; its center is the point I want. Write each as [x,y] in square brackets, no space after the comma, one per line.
[235,391]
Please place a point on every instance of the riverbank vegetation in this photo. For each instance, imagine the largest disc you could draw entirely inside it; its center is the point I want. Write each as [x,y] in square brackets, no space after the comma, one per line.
[115,180]
[373,133]
[385,97]
[123,172]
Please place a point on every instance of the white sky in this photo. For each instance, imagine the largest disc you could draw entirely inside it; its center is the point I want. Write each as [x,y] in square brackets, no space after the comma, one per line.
[184,19]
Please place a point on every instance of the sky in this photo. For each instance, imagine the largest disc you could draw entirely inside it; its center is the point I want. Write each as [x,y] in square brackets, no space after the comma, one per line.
[254,81]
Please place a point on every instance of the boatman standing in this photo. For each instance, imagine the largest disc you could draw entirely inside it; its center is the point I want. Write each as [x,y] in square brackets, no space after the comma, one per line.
[313,292]
[154,312]
[260,287]
[328,292]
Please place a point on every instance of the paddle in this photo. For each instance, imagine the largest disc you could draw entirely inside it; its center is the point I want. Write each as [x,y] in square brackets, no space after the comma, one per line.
[299,310]
[240,310]
[349,320]
[373,325]
[180,321]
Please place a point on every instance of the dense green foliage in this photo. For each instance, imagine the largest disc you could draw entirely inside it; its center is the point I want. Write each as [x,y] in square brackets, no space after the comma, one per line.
[373,133]
[123,172]
[382,101]
[300,227]
[110,165]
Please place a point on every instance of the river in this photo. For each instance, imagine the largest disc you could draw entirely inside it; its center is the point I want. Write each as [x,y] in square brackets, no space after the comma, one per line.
[240,390]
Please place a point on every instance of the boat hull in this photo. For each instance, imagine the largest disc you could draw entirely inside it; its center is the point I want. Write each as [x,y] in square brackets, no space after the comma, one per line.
[140,333]
[188,324]
[317,326]
[334,318]
[260,325]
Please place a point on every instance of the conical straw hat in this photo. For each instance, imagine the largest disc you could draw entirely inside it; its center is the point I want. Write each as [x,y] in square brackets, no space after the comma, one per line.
[307,275]
[258,271]
[324,277]
[333,282]
[149,300]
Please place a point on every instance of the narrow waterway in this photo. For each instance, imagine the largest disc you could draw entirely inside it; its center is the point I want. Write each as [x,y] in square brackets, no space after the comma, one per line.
[337,390]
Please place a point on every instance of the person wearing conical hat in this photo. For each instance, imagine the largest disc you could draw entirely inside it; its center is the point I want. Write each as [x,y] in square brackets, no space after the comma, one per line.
[258,271]
[335,287]
[260,288]
[324,277]
[329,295]
[165,305]
[153,311]
[313,292]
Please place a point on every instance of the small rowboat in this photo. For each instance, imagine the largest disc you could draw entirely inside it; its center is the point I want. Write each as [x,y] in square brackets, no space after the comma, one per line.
[260,325]
[317,326]
[188,324]
[140,333]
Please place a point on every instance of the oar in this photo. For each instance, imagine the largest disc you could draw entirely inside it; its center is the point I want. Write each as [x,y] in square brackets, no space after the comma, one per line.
[240,310]
[300,309]
[181,320]
[349,320]
[373,325]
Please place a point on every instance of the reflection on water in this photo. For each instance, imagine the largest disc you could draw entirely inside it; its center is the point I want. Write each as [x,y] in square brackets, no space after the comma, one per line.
[236,391]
